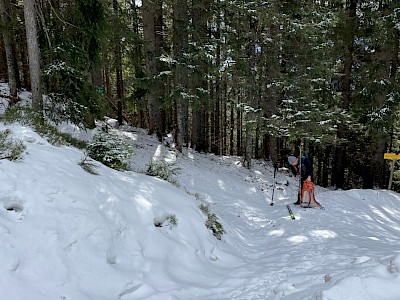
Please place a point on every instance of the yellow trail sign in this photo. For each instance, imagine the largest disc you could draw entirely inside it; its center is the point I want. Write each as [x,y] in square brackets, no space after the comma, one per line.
[391,156]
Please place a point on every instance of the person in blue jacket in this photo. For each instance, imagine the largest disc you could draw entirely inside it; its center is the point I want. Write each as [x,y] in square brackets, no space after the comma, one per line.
[307,172]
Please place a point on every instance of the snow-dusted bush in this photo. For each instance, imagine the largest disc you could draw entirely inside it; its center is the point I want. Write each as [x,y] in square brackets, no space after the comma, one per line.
[212,221]
[70,96]
[163,171]
[111,150]
[9,148]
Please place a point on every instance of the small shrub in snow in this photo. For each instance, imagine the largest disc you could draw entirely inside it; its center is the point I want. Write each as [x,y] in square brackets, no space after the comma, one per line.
[22,115]
[10,149]
[163,171]
[212,222]
[111,150]
[169,220]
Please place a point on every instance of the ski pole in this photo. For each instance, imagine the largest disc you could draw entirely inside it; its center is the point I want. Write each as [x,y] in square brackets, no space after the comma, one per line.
[300,180]
[272,201]
[273,190]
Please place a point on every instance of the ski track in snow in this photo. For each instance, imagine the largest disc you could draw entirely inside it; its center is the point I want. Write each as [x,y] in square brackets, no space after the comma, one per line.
[255,229]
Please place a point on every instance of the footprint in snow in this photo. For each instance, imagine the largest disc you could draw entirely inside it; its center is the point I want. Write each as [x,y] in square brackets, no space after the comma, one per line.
[12,209]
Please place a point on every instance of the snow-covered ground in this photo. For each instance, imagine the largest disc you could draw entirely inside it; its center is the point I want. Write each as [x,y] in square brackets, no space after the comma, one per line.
[67,234]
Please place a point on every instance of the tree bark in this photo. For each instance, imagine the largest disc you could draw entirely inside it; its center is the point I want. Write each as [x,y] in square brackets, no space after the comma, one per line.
[199,84]
[118,70]
[152,16]
[33,54]
[180,44]
[239,131]
[3,61]
[388,65]
[9,49]
[250,117]
[340,147]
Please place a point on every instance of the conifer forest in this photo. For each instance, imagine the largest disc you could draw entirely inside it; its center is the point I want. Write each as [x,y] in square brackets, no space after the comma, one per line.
[248,78]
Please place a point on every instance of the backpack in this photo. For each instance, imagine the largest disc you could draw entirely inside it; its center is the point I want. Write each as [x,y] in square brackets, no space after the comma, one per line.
[308,196]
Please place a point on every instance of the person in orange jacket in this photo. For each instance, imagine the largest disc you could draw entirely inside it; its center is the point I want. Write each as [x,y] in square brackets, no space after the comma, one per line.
[307,172]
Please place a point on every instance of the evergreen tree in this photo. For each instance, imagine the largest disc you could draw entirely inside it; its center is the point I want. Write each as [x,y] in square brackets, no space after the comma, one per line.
[75,30]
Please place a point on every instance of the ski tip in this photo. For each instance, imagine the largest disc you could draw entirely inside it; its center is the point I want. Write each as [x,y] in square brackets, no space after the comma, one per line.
[290,212]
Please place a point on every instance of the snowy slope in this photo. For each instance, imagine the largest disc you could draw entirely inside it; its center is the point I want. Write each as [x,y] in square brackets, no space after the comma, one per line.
[67,234]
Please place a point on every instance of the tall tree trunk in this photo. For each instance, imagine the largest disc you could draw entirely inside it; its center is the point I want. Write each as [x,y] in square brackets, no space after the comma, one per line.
[199,85]
[251,95]
[159,38]
[387,70]
[348,39]
[33,54]
[249,137]
[224,116]
[107,81]
[239,131]
[180,44]
[232,126]
[3,61]
[326,154]
[271,98]
[152,16]
[216,124]
[10,50]
[118,70]
[16,36]
[23,50]
[138,69]
[249,117]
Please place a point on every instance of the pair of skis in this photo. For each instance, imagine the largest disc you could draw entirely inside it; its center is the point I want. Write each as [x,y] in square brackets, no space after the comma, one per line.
[291,213]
